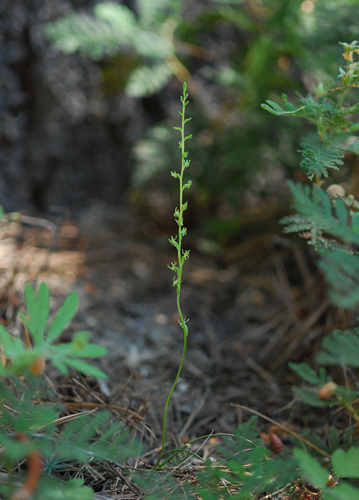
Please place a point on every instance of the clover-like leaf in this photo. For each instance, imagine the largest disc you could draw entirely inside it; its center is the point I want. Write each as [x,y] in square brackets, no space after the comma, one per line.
[346,464]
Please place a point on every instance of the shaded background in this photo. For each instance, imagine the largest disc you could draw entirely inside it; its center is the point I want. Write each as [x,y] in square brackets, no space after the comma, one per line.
[80,123]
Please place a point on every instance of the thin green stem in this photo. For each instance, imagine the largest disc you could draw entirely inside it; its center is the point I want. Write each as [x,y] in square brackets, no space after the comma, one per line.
[182,257]
[168,402]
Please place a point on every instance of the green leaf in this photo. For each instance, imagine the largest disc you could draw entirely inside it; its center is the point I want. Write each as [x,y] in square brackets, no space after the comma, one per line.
[11,345]
[80,347]
[305,372]
[311,469]
[69,490]
[63,316]
[275,109]
[346,464]
[309,397]
[22,361]
[37,309]
[334,437]
[341,492]
[85,368]
[340,348]
[80,340]
[83,349]
[92,351]
[59,364]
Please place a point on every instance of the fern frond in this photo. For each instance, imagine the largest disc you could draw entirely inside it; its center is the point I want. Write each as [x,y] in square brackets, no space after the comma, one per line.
[91,36]
[103,34]
[276,109]
[80,440]
[246,467]
[314,212]
[146,80]
[153,45]
[119,17]
[153,11]
[319,157]
[321,216]
[297,223]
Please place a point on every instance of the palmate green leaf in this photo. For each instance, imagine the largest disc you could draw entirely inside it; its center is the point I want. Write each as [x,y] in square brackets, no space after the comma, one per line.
[64,355]
[11,345]
[85,368]
[59,364]
[340,348]
[21,361]
[63,316]
[37,306]
[83,349]
[346,464]
[80,347]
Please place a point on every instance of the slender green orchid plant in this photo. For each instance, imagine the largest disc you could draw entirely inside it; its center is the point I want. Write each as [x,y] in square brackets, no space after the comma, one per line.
[182,255]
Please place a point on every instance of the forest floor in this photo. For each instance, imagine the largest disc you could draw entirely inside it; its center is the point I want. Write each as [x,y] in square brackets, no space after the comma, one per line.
[253,306]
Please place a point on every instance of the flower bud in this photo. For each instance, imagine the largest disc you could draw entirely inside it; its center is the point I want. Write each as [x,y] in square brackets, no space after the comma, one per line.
[327,390]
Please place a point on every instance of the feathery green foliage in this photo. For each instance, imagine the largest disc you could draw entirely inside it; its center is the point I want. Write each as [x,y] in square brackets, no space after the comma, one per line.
[246,467]
[330,223]
[115,29]
[28,417]
[318,157]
